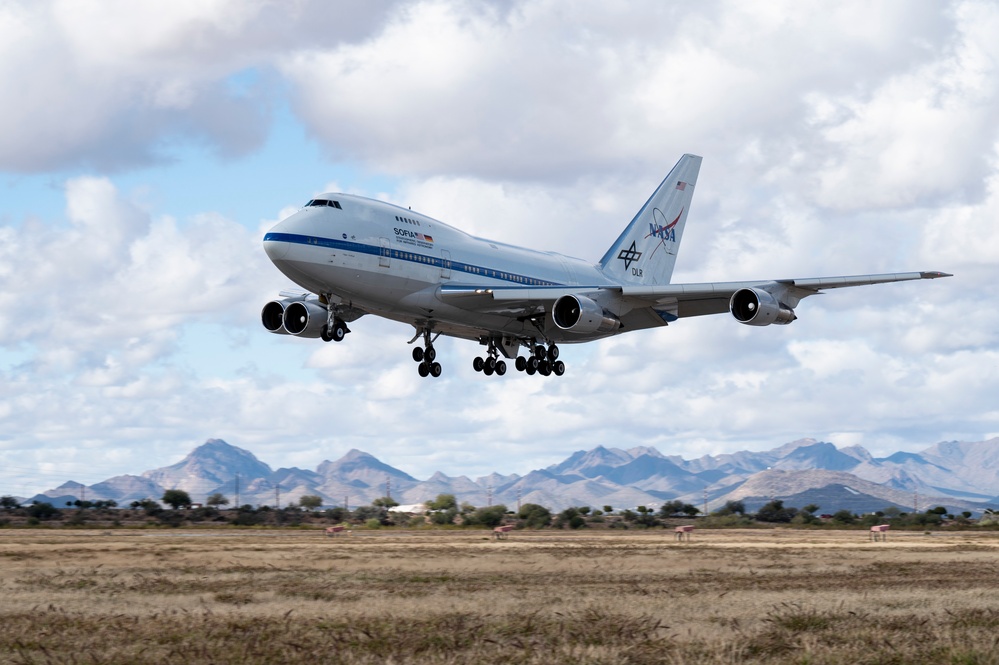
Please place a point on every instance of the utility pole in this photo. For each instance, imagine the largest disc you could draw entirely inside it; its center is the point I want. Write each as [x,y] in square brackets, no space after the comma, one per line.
[518,500]
[277,497]
[237,491]
[705,501]
[388,487]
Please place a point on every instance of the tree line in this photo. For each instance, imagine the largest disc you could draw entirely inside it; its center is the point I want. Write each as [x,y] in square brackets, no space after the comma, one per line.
[175,508]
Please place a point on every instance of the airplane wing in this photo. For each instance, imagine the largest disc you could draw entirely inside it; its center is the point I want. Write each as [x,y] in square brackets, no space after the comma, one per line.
[713,297]
[673,300]
[517,301]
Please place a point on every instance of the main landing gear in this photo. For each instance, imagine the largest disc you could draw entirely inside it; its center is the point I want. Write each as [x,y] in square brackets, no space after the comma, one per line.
[491,364]
[543,362]
[540,361]
[427,356]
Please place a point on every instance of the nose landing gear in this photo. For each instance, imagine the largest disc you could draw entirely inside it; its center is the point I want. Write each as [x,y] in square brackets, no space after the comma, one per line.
[335,329]
[334,332]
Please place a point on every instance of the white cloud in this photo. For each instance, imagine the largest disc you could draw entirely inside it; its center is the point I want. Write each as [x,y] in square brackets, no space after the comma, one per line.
[111,84]
[107,292]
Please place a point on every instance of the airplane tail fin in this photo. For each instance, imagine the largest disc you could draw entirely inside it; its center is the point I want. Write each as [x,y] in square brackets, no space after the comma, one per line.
[645,252]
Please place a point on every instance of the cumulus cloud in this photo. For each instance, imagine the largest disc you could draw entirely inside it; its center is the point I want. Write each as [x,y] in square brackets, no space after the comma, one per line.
[530,92]
[110,85]
[115,283]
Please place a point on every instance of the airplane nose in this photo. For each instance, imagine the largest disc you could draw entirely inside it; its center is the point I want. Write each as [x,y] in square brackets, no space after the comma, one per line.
[276,249]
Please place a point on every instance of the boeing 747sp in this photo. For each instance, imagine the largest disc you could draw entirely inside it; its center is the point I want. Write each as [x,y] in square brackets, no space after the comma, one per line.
[357,256]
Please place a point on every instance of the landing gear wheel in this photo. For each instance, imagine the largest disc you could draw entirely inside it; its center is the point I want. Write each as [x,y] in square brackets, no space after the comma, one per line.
[531,369]
[435,369]
[325,334]
[488,370]
[533,363]
[339,331]
[500,368]
[558,367]
[491,364]
[430,354]
[539,352]
[478,364]
[418,354]
[520,363]
[424,369]
[544,368]
[552,353]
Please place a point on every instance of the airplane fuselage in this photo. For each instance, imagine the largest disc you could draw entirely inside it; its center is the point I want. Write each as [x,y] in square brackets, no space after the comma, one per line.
[383,259]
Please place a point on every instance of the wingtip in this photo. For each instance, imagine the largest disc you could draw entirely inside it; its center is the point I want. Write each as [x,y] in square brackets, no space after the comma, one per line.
[934,274]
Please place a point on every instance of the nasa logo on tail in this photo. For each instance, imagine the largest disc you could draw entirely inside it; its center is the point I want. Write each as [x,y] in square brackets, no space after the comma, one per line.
[665,232]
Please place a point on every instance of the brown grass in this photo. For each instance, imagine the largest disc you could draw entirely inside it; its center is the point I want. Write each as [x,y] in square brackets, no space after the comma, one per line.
[459,597]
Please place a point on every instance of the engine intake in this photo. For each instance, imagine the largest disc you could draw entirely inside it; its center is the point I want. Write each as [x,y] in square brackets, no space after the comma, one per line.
[579,314]
[272,316]
[756,307]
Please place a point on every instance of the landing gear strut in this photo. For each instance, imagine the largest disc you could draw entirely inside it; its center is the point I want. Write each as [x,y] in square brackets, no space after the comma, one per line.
[335,329]
[491,364]
[427,356]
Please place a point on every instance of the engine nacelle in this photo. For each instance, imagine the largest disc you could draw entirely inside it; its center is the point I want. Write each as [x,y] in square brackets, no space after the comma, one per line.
[272,316]
[305,318]
[756,307]
[579,314]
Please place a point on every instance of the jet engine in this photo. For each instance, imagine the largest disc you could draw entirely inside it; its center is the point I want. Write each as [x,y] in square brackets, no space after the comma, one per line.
[272,316]
[756,307]
[579,314]
[304,318]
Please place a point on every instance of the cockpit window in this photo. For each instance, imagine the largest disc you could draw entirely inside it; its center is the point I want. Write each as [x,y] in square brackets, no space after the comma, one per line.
[324,202]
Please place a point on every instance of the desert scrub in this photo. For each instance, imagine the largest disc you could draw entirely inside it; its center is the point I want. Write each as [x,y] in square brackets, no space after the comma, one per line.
[539,597]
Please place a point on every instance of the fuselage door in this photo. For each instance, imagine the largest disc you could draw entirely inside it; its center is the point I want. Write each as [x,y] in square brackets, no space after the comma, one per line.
[384,252]
[445,264]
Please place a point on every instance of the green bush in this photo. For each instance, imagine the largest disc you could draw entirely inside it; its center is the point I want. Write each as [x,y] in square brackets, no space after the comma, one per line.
[176,498]
[775,511]
[534,516]
[489,516]
[43,511]
[444,516]
[844,517]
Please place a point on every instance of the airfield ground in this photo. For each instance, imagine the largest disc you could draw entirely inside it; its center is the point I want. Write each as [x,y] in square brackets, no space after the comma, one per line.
[267,596]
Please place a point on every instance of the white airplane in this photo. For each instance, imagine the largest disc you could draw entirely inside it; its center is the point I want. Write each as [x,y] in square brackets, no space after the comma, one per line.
[358,256]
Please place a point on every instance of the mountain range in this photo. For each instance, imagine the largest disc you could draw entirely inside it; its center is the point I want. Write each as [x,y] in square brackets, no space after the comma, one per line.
[958,475]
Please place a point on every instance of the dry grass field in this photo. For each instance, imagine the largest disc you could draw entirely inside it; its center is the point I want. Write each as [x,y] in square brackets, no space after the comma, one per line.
[259,596]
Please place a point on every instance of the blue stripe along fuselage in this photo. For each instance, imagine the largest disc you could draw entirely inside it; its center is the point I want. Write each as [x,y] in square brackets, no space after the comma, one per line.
[406,255]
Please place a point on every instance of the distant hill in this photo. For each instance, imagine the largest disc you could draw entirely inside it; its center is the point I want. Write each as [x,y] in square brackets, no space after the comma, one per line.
[958,475]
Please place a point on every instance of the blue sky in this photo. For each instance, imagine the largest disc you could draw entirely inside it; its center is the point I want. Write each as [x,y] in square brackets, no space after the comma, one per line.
[148,147]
